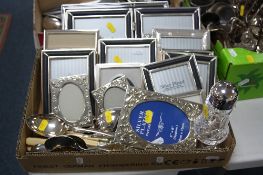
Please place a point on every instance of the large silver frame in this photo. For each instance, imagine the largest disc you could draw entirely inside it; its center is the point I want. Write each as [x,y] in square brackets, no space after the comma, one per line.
[182,39]
[48,55]
[127,136]
[120,13]
[170,64]
[90,35]
[193,13]
[208,60]
[82,82]
[124,67]
[104,44]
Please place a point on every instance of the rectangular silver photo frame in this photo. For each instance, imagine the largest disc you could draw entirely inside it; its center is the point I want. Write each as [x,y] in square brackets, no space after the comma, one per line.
[182,39]
[127,50]
[111,23]
[207,65]
[61,63]
[147,19]
[175,77]
[105,73]
[70,39]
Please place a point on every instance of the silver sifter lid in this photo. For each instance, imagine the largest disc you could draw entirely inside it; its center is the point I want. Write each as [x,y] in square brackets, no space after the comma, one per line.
[223,95]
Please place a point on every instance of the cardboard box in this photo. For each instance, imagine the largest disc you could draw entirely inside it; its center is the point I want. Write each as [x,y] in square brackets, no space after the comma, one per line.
[242,67]
[115,161]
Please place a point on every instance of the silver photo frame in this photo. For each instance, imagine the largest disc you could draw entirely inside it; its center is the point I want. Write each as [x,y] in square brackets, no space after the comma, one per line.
[111,23]
[61,63]
[207,65]
[127,50]
[111,96]
[182,39]
[106,73]
[174,77]
[147,19]
[70,100]
[70,39]
[125,134]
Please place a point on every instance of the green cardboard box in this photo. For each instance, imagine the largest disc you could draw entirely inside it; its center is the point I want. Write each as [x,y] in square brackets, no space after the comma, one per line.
[242,67]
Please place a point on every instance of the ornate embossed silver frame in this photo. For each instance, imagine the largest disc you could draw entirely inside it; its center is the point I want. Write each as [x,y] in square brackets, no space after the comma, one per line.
[67,56]
[127,136]
[207,67]
[182,39]
[147,19]
[82,82]
[99,93]
[177,77]
[130,49]
[84,20]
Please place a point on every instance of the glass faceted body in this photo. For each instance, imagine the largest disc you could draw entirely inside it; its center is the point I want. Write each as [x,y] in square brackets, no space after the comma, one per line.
[211,126]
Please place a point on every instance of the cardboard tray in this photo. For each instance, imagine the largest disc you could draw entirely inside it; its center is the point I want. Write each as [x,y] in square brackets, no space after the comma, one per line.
[114,161]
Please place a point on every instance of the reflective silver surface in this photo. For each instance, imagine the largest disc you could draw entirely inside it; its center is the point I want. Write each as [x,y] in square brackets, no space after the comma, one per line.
[50,125]
[223,95]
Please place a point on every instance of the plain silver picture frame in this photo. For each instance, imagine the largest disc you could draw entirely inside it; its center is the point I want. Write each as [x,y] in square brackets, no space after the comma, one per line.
[172,80]
[129,49]
[70,39]
[131,71]
[207,67]
[182,39]
[47,56]
[173,18]
[114,17]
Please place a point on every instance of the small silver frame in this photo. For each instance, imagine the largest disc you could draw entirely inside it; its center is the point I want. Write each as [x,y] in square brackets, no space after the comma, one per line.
[122,70]
[100,13]
[82,82]
[99,93]
[64,54]
[166,65]
[179,39]
[192,13]
[127,136]
[89,39]
[105,44]
[207,60]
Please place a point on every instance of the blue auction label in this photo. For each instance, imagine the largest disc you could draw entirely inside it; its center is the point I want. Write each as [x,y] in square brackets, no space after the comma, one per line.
[159,122]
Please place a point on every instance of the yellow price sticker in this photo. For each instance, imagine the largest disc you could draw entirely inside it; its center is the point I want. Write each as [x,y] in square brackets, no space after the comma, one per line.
[205,111]
[111,27]
[250,58]
[117,59]
[148,116]
[242,10]
[43,125]
[108,117]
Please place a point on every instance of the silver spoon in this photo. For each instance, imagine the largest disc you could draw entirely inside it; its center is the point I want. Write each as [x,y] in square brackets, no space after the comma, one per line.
[75,143]
[49,125]
[38,148]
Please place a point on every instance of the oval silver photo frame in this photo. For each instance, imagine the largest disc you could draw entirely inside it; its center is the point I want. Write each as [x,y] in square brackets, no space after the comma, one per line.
[70,100]
[127,135]
[99,94]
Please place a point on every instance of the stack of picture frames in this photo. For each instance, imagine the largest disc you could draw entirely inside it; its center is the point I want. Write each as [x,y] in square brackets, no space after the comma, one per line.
[155,47]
